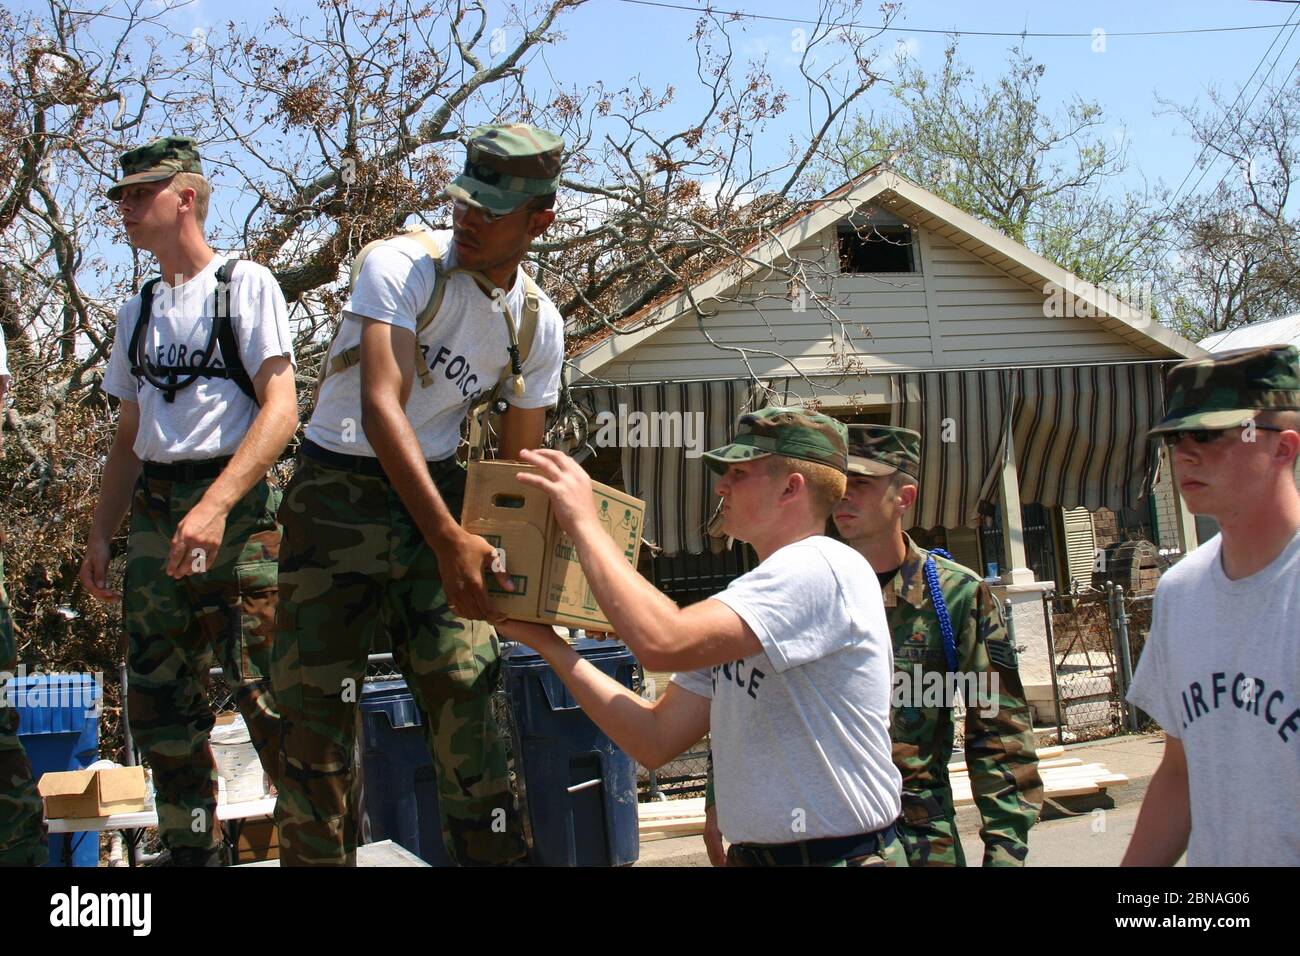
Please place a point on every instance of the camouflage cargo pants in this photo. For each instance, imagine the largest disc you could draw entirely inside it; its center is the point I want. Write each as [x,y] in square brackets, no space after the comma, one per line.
[928,829]
[22,837]
[178,629]
[354,562]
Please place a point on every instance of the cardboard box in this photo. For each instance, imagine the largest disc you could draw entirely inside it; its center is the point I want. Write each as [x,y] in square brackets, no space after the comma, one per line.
[93,793]
[541,560]
[258,840]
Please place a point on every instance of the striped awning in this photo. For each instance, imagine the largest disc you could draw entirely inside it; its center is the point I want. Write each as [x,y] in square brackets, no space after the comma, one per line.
[1079,434]
[650,422]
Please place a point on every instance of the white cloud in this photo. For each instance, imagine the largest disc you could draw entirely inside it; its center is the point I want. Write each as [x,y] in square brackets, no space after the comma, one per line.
[907,48]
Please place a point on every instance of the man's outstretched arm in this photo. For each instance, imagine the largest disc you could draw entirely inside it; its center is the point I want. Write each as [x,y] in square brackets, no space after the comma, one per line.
[653,733]
[663,636]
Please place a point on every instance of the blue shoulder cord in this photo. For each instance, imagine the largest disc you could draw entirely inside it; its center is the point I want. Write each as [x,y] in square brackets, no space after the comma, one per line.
[941,607]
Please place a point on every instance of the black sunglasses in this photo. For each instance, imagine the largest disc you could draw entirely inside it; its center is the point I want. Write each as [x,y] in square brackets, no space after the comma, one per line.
[1203,436]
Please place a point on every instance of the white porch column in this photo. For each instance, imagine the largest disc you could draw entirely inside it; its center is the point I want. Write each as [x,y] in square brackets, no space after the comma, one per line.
[1185,522]
[1013,533]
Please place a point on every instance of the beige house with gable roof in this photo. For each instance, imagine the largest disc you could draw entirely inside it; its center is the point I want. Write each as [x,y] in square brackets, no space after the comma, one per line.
[1033,390]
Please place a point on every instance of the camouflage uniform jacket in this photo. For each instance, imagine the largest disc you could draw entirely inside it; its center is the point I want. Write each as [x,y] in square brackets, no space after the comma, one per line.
[999,749]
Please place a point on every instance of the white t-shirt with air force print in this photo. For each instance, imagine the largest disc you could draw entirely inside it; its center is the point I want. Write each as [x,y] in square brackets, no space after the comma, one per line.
[464,347]
[800,732]
[1221,672]
[209,418]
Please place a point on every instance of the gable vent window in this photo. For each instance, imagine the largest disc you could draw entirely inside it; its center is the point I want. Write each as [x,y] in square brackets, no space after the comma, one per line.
[877,248]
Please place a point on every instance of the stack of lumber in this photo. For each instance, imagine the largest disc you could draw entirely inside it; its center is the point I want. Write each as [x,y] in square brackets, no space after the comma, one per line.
[662,820]
[1062,777]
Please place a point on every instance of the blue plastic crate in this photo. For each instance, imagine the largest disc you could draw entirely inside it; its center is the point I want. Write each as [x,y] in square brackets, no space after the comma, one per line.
[58,724]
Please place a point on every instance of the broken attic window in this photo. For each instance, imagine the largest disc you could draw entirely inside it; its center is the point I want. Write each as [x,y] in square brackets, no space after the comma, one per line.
[876,248]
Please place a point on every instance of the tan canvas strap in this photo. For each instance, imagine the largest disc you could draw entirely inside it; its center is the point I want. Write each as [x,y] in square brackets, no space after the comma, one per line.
[521,333]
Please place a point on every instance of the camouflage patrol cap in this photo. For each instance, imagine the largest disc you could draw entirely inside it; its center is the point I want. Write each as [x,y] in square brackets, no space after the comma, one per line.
[505,166]
[792,432]
[883,450]
[155,161]
[1227,390]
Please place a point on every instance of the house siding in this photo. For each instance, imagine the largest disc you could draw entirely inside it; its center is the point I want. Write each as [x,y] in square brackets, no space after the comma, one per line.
[957,312]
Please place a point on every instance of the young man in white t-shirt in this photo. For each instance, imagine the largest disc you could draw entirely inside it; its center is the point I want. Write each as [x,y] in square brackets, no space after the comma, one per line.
[788,670]
[372,541]
[1220,671]
[205,380]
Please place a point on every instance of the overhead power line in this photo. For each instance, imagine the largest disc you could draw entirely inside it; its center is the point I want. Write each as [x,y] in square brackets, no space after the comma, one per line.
[741,14]
[1157,234]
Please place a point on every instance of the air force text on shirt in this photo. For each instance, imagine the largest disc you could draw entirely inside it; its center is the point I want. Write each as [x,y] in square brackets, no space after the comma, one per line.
[457,370]
[170,355]
[743,675]
[1251,695]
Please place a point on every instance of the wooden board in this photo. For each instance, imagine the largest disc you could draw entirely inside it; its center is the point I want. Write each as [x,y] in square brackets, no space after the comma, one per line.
[1043,753]
[1059,762]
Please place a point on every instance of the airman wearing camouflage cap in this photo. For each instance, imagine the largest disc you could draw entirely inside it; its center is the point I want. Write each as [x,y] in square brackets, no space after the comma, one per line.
[204,370]
[789,432]
[1218,671]
[373,535]
[1230,389]
[506,166]
[156,161]
[944,621]
[766,664]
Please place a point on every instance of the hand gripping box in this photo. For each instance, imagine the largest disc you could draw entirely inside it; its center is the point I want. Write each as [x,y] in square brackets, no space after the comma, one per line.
[541,560]
[92,793]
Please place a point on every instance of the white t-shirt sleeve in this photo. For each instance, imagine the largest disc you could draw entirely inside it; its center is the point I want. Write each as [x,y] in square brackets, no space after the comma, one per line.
[261,317]
[545,358]
[391,288]
[697,682]
[118,380]
[4,355]
[1150,690]
[794,605]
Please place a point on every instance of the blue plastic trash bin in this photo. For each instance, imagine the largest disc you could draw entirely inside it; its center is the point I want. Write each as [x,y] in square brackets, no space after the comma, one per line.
[578,787]
[58,724]
[400,801]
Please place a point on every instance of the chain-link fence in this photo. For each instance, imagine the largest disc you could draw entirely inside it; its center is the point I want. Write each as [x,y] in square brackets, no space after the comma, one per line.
[1097,638]
[221,700]
[685,776]
[1137,625]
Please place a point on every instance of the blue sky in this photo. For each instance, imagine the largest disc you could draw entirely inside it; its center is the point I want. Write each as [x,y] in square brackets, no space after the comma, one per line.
[614,40]
[1126,79]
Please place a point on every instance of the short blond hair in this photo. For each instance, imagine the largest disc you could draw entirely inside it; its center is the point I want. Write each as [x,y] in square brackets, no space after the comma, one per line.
[1287,418]
[825,484]
[202,192]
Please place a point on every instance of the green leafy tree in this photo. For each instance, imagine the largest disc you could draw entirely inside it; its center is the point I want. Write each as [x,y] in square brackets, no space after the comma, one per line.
[1236,244]
[996,150]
